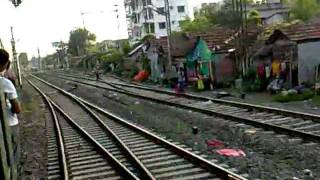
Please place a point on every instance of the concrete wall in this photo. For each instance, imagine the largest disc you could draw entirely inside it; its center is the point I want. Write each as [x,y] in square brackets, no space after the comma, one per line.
[309,58]
[138,29]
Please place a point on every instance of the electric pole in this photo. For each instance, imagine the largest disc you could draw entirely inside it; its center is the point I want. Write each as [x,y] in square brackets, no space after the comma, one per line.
[15,59]
[39,59]
[168,20]
[1,45]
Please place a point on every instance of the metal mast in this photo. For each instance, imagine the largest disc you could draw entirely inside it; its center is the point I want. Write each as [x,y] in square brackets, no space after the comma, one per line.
[1,45]
[15,59]
[39,59]
[168,20]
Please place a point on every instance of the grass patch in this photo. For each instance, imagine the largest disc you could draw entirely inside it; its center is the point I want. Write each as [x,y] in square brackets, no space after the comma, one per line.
[307,94]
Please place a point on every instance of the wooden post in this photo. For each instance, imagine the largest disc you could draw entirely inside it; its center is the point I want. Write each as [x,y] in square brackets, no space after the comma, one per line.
[8,168]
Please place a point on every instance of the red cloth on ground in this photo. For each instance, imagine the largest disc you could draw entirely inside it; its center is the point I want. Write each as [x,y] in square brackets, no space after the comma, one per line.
[214,143]
[231,152]
[141,76]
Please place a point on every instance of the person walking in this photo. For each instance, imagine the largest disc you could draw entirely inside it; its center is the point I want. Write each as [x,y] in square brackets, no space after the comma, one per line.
[181,79]
[12,103]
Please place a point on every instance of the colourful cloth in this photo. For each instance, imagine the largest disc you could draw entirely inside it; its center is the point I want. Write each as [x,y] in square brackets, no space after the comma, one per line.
[214,143]
[283,67]
[201,52]
[261,71]
[200,85]
[267,71]
[276,68]
[231,152]
[141,76]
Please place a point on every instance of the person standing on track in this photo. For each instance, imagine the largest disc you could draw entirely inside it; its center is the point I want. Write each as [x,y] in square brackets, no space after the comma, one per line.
[97,72]
[12,103]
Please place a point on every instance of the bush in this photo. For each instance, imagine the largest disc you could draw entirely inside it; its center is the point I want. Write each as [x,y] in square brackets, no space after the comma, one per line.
[134,71]
[307,94]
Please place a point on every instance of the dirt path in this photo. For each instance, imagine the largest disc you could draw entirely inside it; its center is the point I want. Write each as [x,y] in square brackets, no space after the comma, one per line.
[32,135]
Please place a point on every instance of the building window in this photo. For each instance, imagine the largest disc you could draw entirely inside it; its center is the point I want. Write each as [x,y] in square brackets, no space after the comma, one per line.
[181,9]
[162,25]
[161,10]
[149,28]
[148,14]
[146,2]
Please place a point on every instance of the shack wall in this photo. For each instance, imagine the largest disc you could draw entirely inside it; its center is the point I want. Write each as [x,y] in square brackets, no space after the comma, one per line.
[309,58]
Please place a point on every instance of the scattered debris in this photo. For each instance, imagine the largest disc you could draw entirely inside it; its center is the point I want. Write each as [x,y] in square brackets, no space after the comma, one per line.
[250,131]
[137,103]
[195,130]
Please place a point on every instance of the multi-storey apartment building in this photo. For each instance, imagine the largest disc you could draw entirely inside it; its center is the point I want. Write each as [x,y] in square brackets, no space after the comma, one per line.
[148,17]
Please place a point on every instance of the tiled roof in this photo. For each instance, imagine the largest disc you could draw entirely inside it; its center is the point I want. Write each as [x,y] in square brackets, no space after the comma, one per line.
[220,37]
[217,36]
[303,32]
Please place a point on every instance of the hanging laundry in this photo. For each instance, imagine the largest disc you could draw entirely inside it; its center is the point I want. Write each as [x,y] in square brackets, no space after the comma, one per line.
[283,67]
[261,71]
[231,152]
[275,68]
[200,85]
[268,71]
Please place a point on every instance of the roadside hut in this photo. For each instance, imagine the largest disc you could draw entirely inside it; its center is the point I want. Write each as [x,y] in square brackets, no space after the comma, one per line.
[297,50]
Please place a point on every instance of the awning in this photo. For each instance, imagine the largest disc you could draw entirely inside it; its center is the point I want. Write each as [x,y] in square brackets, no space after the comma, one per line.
[136,50]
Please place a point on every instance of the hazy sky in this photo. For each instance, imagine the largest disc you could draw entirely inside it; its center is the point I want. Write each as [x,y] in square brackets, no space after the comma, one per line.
[37,23]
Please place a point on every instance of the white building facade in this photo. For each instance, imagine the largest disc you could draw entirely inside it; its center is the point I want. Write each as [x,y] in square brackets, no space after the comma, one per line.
[146,17]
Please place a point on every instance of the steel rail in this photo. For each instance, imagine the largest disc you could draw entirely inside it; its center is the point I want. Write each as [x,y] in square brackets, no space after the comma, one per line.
[279,129]
[211,167]
[106,154]
[313,117]
[145,173]
[57,128]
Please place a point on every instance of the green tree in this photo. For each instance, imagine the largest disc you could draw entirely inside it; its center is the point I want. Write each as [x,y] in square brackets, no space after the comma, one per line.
[199,24]
[23,59]
[79,40]
[50,59]
[254,17]
[305,9]
[126,48]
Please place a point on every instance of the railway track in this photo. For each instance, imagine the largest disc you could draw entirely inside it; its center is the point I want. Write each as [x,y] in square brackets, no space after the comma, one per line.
[303,125]
[75,154]
[131,150]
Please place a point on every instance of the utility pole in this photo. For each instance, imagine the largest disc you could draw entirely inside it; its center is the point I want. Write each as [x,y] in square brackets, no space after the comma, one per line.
[168,20]
[1,45]
[39,59]
[82,15]
[15,59]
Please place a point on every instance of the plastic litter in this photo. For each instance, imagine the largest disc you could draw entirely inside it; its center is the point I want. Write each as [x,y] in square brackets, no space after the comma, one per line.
[231,152]
[207,102]
[137,103]
[250,131]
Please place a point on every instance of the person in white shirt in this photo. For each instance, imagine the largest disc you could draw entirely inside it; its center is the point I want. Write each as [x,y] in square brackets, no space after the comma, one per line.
[12,103]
